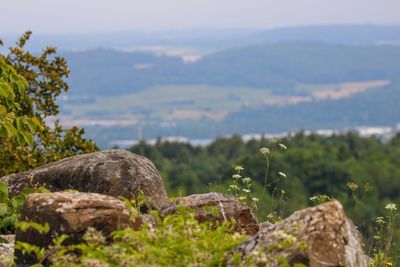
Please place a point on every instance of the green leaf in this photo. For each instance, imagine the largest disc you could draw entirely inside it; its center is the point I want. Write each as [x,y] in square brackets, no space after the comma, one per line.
[3,240]
[17,202]
[11,131]
[31,125]
[5,89]
[21,80]
[21,87]
[26,191]
[17,106]
[37,122]
[20,124]
[3,209]
[28,137]
[8,221]
[13,77]
[3,110]
[24,226]
[3,193]
[21,139]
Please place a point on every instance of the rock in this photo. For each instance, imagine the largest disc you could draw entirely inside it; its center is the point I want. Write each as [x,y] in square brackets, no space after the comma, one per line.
[113,172]
[71,213]
[317,237]
[6,250]
[265,224]
[229,208]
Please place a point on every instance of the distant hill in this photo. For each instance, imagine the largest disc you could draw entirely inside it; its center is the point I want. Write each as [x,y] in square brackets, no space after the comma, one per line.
[277,67]
[281,66]
[213,40]
[105,72]
[333,34]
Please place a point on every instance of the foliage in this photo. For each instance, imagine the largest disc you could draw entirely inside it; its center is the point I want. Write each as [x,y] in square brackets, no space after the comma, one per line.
[13,127]
[10,207]
[362,173]
[44,79]
[175,240]
[241,188]
[382,244]
[179,240]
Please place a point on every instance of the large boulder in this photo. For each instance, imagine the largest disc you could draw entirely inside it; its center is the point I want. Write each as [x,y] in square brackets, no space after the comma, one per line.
[71,213]
[228,207]
[114,172]
[321,236]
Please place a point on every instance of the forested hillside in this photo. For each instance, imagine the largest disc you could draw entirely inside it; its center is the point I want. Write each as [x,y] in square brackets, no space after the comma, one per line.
[361,172]
[278,67]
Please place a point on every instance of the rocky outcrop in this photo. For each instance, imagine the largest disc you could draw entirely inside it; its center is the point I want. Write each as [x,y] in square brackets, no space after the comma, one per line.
[321,236]
[113,172]
[71,213]
[228,207]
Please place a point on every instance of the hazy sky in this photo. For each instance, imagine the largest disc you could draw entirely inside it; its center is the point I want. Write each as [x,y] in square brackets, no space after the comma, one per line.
[82,16]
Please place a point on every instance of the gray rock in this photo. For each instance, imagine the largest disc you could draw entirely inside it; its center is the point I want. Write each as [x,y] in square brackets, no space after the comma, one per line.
[321,236]
[229,208]
[7,250]
[265,224]
[113,172]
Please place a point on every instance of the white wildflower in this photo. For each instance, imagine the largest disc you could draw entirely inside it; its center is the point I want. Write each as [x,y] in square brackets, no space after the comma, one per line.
[238,168]
[264,150]
[391,206]
[282,174]
[233,187]
[236,176]
[380,220]
[246,180]
[282,146]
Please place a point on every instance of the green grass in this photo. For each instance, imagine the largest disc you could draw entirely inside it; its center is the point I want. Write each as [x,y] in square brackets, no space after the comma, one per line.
[180,102]
[313,88]
[162,100]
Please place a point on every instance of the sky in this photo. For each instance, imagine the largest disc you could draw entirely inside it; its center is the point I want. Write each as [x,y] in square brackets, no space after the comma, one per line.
[96,16]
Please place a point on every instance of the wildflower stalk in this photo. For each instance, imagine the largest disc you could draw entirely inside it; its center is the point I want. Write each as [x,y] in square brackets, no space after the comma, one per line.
[266,175]
[391,207]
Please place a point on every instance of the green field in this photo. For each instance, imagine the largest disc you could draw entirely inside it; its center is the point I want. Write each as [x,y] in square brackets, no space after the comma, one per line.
[177,102]
[339,90]
[191,102]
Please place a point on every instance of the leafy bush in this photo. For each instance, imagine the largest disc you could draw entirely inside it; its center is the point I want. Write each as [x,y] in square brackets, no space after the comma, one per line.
[29,86]
[14,127]
[10,208]
[175,240]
